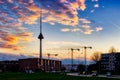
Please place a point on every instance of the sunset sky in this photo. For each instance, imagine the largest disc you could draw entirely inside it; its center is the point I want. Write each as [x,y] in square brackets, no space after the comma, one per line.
[66,24]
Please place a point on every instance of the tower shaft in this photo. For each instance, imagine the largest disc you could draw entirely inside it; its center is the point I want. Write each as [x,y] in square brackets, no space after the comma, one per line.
[40,56]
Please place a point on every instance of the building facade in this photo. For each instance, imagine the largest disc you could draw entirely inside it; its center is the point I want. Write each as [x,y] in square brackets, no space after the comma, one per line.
[9,66]
[36,64]
[110,62]
[30,64]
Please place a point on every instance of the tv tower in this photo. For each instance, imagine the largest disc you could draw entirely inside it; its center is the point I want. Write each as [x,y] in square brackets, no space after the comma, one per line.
[40,35]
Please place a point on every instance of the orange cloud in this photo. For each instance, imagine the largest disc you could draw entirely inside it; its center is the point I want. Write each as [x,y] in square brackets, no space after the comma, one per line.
[10,39]
[88,32]
[29,19]
[61,18]
[79,4]
[66,15]
[10,46]
[33,8]
[25,36]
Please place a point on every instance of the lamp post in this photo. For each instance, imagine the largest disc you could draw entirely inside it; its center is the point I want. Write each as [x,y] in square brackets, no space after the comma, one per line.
[85,48]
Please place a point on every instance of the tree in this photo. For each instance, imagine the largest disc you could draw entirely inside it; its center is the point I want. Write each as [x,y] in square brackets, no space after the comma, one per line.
[96,57]
[81,68]
[112,50]
[63,69]
[93,67]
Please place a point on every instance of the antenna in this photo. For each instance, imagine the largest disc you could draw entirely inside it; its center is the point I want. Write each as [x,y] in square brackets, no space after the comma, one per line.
[41,21]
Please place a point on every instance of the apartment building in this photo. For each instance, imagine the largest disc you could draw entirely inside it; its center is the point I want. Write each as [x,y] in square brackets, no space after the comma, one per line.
[110,61]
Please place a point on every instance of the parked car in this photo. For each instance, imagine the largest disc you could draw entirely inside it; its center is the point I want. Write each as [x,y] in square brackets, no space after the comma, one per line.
[94,73]
[108,74]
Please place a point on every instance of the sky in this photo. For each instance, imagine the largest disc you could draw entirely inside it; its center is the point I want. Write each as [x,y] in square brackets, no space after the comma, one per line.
[66,24]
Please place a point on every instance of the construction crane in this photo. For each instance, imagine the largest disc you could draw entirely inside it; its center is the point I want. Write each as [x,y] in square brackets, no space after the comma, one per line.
[72,49]
[85,55]
[85,48]
[51,54]
[78,49]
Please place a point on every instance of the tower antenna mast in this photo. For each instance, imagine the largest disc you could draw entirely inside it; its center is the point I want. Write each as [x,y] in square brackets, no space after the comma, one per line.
[40,35]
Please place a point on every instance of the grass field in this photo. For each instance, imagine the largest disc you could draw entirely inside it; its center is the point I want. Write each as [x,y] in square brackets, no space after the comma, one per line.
[45,76]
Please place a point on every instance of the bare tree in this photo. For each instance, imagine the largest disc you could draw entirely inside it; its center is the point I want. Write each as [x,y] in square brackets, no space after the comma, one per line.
[112,50]
[96,57]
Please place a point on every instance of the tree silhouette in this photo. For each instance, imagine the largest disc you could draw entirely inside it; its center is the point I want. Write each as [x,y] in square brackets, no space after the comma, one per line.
[96,57]
[112,50]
